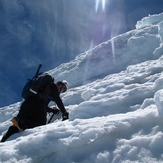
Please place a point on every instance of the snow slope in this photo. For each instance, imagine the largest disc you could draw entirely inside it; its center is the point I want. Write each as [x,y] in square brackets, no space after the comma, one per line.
[115,102]
[114,55]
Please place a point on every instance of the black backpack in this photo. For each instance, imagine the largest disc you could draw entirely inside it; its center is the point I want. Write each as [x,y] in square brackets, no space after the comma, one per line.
[37,84]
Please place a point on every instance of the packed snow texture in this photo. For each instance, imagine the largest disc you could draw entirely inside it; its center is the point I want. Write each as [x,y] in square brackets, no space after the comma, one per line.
[115,103]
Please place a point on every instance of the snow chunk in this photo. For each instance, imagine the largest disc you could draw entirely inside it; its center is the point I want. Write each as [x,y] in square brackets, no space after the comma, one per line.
[86,95]
[146,21]
[158,98]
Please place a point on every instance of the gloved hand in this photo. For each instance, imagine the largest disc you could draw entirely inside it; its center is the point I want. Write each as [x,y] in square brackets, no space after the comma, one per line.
[54,110]
[65,116]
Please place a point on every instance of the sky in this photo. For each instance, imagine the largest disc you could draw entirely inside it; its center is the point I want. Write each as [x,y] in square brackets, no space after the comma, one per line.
[116,117]
[54,32]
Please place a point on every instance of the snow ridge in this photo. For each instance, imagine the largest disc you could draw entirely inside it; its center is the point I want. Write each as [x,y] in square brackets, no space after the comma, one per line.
[113,56]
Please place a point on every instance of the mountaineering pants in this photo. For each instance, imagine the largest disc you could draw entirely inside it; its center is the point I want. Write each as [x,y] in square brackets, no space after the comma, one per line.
[12,130]
[17,127]
[32,113]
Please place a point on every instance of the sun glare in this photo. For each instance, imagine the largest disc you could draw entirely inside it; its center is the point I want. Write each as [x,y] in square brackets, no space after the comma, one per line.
[99,3]
[103,4]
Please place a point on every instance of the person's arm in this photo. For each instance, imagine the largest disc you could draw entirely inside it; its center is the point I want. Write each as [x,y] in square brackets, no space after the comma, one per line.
[65,114]
[58,101]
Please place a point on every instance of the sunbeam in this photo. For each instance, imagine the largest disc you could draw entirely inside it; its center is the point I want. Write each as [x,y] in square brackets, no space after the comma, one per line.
[98,2]
[97,5]
[103,4]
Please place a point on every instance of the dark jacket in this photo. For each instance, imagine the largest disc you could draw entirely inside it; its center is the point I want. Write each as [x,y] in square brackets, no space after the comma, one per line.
[33,110]
[51,93]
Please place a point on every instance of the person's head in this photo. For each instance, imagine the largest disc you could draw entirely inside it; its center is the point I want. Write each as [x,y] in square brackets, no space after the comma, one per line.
[62,86]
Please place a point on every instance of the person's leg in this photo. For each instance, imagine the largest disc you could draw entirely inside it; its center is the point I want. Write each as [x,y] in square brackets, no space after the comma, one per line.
[12,130]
